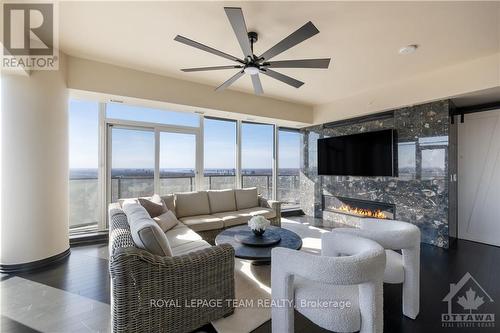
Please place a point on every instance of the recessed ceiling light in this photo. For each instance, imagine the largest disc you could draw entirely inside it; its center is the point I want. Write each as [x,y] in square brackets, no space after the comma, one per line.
[408,49]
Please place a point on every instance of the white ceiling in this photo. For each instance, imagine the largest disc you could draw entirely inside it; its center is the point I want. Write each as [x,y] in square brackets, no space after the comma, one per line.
[361,38]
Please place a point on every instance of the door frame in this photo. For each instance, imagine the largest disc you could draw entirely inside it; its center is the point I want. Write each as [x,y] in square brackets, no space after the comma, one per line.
[156,129]
[460,233]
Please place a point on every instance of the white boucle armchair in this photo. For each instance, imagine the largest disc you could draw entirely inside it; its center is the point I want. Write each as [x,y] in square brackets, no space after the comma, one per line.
[400,268]
[349,269]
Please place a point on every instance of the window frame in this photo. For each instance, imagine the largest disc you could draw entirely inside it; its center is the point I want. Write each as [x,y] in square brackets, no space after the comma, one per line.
[105,153]
[237,161]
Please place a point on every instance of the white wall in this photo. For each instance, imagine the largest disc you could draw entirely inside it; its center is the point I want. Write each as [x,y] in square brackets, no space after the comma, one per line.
[99,77]
[475,75]
[34,161]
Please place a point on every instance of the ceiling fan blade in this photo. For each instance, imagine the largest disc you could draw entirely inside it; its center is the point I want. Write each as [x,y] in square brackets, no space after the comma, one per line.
[303,63]
[235,16]
[205,48]
[257,86]
[306,31]
[282,77]
[230,81]
[216,68]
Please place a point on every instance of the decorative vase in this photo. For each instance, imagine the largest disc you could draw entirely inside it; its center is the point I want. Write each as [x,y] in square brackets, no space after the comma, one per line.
[258,232]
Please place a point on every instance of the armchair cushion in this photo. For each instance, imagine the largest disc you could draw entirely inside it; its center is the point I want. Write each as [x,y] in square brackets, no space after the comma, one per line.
[191,204]
[394,269]
[246,198]
[337,319]
[146,233]
[221,201]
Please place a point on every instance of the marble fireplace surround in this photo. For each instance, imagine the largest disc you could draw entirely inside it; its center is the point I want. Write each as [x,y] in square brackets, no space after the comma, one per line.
[421,191]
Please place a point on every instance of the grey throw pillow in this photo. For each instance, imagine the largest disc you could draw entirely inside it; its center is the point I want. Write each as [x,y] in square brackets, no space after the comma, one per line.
[154,206]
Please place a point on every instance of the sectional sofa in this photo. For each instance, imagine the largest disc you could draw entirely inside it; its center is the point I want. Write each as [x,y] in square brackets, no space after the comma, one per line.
[149,267]
[209,212]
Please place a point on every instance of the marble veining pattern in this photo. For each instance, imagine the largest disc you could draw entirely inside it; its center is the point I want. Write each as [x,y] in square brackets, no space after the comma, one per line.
[420,192]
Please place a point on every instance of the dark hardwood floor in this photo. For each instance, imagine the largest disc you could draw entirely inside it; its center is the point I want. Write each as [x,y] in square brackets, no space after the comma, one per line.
[85,273]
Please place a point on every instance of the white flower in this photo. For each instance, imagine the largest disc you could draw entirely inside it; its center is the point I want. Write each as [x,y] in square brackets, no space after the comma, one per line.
[258,223]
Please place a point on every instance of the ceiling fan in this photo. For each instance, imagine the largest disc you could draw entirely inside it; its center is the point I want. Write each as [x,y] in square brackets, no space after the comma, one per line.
[252,64]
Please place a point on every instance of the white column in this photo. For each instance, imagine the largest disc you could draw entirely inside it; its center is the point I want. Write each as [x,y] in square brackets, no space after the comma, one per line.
[34,166]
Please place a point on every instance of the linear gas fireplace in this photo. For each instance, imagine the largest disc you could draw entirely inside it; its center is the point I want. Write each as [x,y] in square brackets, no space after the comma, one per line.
[358,208]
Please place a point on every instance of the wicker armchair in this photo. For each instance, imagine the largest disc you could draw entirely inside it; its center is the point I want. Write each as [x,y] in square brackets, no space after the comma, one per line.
[150,293]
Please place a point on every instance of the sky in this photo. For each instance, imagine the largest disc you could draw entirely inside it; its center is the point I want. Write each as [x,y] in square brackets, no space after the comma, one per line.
[135,148]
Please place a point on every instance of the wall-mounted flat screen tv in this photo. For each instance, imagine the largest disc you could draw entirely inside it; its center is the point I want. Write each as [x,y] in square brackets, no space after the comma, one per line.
[366,154]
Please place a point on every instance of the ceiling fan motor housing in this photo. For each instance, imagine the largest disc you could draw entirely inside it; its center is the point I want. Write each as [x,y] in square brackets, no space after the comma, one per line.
[253,36]
[255,65]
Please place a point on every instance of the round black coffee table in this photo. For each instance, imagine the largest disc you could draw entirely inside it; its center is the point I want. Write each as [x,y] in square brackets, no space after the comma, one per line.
[259,253]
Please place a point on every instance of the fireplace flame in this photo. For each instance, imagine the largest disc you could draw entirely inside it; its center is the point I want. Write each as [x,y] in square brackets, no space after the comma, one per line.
[363,212]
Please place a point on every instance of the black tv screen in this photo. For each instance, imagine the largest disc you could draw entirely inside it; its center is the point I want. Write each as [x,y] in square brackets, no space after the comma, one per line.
[366,154]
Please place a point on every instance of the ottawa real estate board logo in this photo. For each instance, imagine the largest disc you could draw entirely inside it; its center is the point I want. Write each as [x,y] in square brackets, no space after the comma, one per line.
[469,305]
[29,38]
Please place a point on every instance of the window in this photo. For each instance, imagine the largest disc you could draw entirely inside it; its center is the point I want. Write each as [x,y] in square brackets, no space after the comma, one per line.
[219,153]
[158,151]
[132,163]
[289,167]
[257,149]
[135,113]
[83,163]
[177,162]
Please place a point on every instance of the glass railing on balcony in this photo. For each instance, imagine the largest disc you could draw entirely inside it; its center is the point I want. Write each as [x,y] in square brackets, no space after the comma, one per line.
[84,212]
[84,203]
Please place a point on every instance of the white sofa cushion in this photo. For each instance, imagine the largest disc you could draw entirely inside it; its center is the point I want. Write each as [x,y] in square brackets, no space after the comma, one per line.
[203,222]
[166,221]
[233,218]
[191,204]
[190,247]
[394,269]
[146,233]
[221,201]
[268,213]
[246,198]
[180,236]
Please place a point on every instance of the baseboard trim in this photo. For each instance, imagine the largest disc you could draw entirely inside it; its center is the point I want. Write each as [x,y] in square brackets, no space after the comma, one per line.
[89,239]
[30,266]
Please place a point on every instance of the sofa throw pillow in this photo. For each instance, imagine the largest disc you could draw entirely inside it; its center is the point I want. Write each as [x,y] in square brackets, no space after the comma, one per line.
[166,221]
[154,206]
[146,233]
